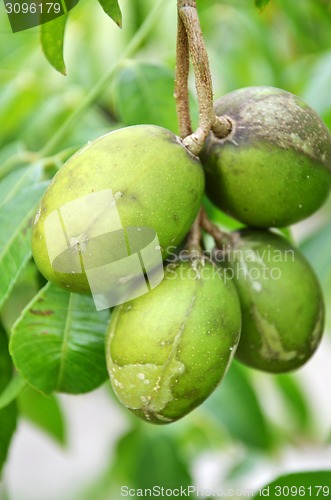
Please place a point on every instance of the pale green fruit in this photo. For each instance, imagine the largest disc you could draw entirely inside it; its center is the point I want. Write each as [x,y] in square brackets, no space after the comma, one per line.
[156,183]
[168,350]
[281,301]
[274,168]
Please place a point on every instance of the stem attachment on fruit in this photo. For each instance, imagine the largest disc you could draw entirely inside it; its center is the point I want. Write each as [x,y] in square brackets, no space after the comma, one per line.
[221,126]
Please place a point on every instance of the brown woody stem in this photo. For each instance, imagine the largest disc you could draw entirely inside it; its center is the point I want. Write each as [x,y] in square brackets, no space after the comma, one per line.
[207,118]
[194,238]
[221,238]
[181,85]
[190,43]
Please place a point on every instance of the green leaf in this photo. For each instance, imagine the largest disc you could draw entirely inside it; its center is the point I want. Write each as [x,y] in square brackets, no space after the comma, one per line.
[143,458]
[27,286]
[296,403]
[10,157]
[57,344]
[235,404]
[261,4]
[317,250]
[315,484]
[219,217]
[17,180]
[113,10]
[17,106]
[15,235]
[143,93]
[8,415]
[52,40]
[287,232]
[316,91]
[12,390]
[44,412]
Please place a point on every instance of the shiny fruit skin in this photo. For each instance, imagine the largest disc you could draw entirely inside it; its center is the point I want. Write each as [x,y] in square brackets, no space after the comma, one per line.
[168,350]
[157,183]
[274,168]
[281,301]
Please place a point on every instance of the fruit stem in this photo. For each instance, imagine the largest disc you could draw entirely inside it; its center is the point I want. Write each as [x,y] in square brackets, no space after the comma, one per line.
[193,242]
[58,159]
[181,83]
[220,237]
[208,120]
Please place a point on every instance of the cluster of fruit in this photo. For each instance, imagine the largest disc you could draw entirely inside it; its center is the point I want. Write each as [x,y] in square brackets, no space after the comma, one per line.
[255,297]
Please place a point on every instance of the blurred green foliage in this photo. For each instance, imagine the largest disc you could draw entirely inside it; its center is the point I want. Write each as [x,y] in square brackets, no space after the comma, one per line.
[286,45]
[8,415]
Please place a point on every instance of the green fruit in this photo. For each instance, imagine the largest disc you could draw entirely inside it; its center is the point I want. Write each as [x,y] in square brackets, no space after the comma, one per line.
[168,350]
[139,176]
[274,168]
[281,301]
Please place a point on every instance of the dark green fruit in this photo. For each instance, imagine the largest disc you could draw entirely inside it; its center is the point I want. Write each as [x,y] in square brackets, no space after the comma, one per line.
[274,168]
[281,301]
[136,177]
[168,350]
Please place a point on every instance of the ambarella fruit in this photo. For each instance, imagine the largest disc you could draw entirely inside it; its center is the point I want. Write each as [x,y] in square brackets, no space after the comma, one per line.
[168,350]
[281,301]
[135,179]
[274,168]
